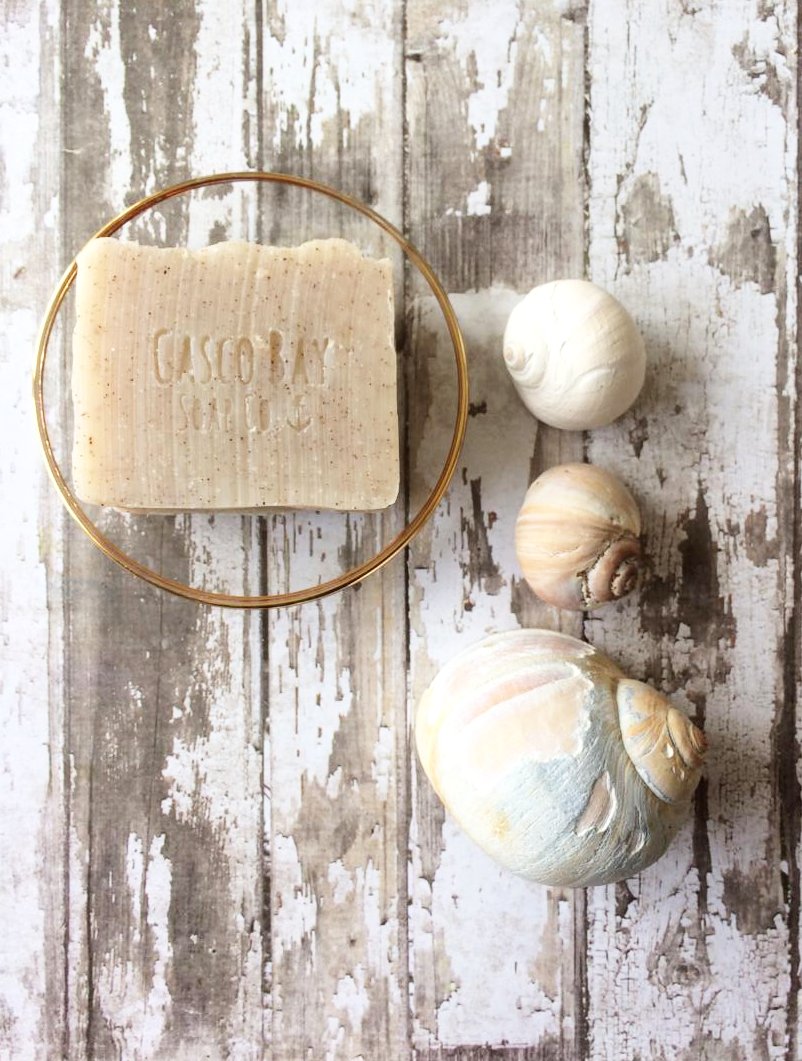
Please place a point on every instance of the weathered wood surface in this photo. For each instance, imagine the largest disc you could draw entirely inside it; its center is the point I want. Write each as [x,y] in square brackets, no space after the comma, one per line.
[163,726]
[214,841]
[497,200]
[336,689]
[693,224]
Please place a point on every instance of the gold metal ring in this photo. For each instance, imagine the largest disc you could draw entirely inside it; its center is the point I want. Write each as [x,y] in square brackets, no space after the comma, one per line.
[351,576]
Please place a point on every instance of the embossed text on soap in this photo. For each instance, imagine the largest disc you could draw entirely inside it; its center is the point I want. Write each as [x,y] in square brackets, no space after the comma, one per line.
[261,380]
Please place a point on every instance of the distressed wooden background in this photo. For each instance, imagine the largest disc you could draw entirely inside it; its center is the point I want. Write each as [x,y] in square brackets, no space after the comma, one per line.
[214,841]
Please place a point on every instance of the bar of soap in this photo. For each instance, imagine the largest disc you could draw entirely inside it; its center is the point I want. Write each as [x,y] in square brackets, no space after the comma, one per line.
[235,377]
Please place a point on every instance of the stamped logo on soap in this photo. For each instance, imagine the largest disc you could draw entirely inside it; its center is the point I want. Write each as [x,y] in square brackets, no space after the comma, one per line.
[234,377]
[264,382]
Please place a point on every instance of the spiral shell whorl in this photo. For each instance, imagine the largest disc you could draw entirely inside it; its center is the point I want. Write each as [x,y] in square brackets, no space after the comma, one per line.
[615,573]
[665,747]
[521,738]
[574,354]
[577,537]
[526,367]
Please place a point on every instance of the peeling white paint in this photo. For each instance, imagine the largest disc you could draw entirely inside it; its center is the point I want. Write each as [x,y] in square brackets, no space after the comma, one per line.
[219,105]
[341,881]
[31,630]
[77,927]
[484,40]
[324,700]
[382,767]
[712,340]
[334,783]
[504,1004]
[333,88]
[319,76]
[351,998]
[295,910]
[465,580]
[103,51]
[507,426]
[135,876]
[19,98]
[136,1010]
[652,141]
[213,773]
[479,200]
[158,887]
[136,694]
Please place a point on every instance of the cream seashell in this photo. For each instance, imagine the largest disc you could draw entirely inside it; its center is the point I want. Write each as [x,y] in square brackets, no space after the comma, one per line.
[521,737]
[577,537]
[574,354]
[665,747]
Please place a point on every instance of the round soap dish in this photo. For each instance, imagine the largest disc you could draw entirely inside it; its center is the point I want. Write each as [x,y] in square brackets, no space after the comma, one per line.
[375,538]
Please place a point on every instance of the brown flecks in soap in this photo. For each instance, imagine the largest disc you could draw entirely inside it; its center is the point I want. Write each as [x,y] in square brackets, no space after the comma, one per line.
[234,377]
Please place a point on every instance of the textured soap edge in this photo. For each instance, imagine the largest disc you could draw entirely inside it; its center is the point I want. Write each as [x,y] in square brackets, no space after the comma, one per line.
[92,253]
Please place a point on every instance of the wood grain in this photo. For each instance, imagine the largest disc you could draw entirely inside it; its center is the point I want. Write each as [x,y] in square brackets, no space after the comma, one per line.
[32,871]
[693,226]
[163,719]
[214,839]
[336,669]
[495,118]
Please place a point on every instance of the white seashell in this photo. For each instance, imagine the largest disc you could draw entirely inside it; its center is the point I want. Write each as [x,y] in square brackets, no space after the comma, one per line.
[574,354]
[577,537]
[555,762]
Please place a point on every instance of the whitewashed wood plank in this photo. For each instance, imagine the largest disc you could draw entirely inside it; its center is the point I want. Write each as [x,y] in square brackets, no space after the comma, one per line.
[163,696]
[31,649]
[495,117]
[693,226]
[332,105]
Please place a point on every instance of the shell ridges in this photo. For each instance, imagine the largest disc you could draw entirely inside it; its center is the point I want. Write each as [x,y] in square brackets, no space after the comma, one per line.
[559,766]
[665,747]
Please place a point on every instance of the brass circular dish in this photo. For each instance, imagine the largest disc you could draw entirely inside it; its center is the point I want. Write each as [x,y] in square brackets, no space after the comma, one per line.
[269,600]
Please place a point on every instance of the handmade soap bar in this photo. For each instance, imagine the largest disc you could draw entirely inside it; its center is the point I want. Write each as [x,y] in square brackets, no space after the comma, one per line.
[234,377]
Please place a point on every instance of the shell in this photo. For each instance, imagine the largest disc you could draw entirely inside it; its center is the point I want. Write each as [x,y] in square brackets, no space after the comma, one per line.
[665,747]
[577,537]
[574,354]
[554,761]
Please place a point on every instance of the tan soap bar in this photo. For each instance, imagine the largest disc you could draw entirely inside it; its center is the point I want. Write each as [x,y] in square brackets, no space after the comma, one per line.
[234,377]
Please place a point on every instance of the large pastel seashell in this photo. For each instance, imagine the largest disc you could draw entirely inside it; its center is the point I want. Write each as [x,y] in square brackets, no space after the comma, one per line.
[577,537]
[559,766]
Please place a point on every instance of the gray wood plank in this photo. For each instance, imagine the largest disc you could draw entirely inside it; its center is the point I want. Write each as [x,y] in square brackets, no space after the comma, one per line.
[163,697]
[336,669]
[495,198]
[693,225]
[32,764]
